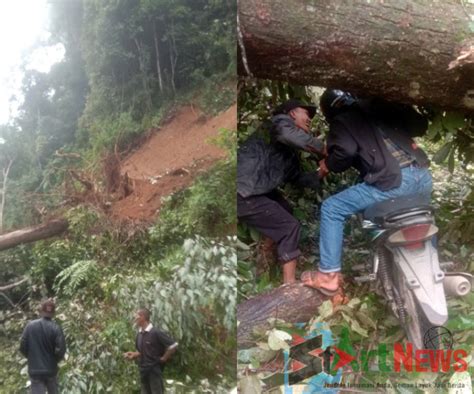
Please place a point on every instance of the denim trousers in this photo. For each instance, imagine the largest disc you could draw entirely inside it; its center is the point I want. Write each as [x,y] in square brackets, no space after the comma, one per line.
[336,209]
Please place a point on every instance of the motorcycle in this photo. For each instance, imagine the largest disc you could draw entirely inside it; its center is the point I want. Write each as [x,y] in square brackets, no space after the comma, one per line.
[405,268]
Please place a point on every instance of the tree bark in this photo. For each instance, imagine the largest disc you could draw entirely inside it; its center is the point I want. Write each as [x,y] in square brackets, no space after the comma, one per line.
[31,234]
[142,66]
[292,303]
[402,50]
[173,56]
[5,173]
[157,56]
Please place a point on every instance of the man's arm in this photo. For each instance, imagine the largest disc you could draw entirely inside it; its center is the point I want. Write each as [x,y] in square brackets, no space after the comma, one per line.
[169,352]
[131,355]
[287,133]
[341,149]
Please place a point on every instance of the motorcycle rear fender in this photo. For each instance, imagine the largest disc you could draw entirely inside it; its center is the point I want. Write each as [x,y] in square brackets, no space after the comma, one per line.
[424,278]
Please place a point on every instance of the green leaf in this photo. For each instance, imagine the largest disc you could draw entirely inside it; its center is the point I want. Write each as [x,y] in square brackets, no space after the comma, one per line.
[355,326]
[453,121]
[254,234]
[325,310]
[461,323]
[277,340]
[435,127]
[443,153]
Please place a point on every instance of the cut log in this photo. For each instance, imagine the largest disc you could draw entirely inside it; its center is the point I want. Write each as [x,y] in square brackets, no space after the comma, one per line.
[31,234]
[419,52]
[292,303]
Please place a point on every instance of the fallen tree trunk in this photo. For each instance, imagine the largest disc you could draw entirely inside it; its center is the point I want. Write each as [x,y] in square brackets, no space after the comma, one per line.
[292,303]
[31,234]
[408,51]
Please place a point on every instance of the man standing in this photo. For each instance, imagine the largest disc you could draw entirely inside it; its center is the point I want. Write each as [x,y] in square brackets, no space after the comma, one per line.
[263,165]
[376,138]
[43,344]
[154,349]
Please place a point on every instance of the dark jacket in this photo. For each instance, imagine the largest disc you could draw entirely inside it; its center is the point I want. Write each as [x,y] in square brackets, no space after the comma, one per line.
[356,140]
[43,344]
[265,164]
[152,346]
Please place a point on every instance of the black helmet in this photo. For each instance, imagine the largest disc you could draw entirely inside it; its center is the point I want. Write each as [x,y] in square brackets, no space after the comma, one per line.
[333,100]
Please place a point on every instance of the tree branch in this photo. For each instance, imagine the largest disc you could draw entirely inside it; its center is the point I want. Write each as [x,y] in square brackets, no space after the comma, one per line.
[12,285]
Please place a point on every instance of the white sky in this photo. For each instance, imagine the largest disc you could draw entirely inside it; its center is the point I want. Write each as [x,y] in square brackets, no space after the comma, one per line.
[22,23]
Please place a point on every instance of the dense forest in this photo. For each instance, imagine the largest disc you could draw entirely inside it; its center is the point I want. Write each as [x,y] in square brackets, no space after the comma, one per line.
[127,66]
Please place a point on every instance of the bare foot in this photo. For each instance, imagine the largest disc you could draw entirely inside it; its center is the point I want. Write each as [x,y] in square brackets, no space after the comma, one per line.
[327,283]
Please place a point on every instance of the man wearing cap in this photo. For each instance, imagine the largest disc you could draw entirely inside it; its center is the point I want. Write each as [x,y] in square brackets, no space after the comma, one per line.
[43,344]
[154,349]
[263,165]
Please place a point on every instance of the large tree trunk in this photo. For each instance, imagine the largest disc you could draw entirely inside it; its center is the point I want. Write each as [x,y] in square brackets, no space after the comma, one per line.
[401,50]
[31,234]
[292,303]
[157,57]
[143,71]
[5,173]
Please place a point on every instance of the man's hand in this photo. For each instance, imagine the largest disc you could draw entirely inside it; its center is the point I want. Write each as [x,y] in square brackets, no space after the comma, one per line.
[131,355]
[323,170]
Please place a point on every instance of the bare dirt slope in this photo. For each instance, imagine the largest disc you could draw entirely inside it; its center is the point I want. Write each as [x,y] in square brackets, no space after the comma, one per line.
[170,160]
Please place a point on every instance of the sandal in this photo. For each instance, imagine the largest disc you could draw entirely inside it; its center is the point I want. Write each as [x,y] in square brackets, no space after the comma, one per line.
[316,282]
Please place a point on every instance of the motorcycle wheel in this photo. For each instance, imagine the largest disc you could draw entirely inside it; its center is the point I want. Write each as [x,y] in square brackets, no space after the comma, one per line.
[416,324]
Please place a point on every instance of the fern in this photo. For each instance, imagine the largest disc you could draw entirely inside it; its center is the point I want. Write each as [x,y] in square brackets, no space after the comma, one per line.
[73,277]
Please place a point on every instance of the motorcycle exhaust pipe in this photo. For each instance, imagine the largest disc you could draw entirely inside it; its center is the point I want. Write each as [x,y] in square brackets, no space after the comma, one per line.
[456,285]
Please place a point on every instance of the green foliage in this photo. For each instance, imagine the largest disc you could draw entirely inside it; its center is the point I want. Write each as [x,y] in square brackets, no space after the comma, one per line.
[216,96]
[455,133]
[69,280]
[111,133]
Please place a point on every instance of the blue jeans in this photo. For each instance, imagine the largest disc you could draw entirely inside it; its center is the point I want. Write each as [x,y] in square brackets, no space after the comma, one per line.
[336,209]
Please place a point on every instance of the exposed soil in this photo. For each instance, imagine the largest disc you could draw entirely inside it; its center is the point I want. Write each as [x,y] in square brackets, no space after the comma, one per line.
[169,161]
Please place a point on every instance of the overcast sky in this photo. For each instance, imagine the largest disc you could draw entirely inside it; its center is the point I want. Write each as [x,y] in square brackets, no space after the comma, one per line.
[22,23]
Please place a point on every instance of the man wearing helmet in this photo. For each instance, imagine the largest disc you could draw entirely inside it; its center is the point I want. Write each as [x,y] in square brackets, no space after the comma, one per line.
[374,137]
[264,165]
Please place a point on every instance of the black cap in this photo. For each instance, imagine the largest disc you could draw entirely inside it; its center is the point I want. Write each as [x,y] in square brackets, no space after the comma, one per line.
[291,104]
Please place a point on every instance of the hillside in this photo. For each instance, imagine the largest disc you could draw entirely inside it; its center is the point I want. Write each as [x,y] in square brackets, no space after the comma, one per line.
[169,160]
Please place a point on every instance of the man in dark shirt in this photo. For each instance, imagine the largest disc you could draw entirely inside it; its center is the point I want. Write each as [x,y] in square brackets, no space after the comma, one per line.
[263,166]
[154,349]
[44,345]
[376,138]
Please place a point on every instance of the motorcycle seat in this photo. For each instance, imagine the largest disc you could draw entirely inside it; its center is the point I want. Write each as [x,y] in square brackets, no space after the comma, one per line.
[396,209]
